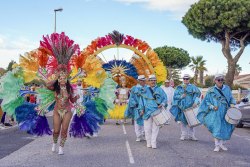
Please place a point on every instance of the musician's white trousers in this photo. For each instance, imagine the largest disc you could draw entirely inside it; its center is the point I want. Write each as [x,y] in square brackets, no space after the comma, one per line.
[139,130]
[151,131]
[218,142]
[186,131]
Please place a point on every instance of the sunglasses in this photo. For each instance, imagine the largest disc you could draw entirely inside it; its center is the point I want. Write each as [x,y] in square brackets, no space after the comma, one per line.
[185,78]
[220,80]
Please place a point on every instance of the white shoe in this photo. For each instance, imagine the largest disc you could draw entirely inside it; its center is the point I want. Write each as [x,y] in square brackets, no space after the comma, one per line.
[60,152]
[182,138]
[95,135]
[138,139]
[88,135]
[223,147]
[217,149]
[193,138]
[149,145]
[53,147]
[154,146]
[167,123]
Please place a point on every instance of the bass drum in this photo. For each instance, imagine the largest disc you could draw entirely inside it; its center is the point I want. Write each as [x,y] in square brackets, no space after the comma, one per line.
[191,116]
[161,116]
[233,115]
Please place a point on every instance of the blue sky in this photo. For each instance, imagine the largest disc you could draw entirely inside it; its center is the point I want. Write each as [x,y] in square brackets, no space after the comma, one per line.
[23,22]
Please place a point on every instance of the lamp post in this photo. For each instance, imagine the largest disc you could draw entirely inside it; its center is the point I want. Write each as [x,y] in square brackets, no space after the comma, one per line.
[57,10]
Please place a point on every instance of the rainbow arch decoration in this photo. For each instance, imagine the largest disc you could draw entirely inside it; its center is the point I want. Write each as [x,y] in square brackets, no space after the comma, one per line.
[145,60]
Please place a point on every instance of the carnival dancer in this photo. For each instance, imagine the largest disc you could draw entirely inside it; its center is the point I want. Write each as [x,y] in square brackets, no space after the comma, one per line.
[186,95]
[121,101]
[213,110]
[133,111]
[62,111]
[153,98]
[61,49]
[169,90]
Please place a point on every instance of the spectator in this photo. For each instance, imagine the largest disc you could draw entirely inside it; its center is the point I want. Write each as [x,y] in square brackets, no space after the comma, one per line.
[32,98]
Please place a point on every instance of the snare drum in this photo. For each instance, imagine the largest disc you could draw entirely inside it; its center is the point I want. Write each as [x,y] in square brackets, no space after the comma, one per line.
[233,115]
[161,116]
[191,116]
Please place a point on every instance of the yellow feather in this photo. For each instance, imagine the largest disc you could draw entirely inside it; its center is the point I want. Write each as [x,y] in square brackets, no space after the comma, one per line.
[117,112]
[29,63]
[95,78]
[72,74]
[160,72]
[95,73]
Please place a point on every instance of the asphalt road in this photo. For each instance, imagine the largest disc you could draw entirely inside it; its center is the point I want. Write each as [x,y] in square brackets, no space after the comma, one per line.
[116,146]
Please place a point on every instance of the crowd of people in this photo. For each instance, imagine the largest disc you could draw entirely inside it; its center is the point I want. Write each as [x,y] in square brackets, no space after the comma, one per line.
[146,100]
[83,108]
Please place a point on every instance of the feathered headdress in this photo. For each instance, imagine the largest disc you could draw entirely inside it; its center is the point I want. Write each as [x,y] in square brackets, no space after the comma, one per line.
[61,49]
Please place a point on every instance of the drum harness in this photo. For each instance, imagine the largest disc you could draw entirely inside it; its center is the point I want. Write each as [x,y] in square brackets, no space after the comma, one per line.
[151,90]
[187,93]
[223,95]
[218,99]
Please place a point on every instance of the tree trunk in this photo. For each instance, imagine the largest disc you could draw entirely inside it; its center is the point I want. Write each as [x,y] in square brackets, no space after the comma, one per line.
[196,77]
[230,72]
[169,70]
[202,77]
[226,50]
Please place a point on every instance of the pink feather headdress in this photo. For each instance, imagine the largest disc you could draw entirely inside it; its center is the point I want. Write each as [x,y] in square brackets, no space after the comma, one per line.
[61,49]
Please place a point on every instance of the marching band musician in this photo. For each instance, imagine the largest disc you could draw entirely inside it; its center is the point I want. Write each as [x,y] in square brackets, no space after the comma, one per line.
[133,111]
[186,95]
[153,98]
[169,90]
[213,110]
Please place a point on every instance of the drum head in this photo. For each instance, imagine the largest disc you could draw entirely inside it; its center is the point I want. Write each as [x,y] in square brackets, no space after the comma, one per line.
[234,113]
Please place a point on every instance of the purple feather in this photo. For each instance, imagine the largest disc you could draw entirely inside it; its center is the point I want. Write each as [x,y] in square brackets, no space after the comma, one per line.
[78,127]
[85,124]
[42,127]
[28,125]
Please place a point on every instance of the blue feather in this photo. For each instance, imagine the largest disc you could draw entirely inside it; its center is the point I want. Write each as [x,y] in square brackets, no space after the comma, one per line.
[131,68]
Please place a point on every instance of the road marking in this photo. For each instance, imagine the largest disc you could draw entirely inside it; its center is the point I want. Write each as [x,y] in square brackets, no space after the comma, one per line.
[240,136]
[245,137]
[130,156]
[124,130]
[31,137]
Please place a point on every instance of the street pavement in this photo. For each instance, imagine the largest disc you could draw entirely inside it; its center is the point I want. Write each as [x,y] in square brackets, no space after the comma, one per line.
[116,146]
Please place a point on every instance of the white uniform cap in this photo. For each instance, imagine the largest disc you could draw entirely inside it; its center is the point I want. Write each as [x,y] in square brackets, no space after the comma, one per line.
[218,76]
[151,77]
[186,76]
[167,80]
[141,77]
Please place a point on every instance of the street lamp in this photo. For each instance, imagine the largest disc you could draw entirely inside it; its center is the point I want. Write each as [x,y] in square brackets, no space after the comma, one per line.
[57,10]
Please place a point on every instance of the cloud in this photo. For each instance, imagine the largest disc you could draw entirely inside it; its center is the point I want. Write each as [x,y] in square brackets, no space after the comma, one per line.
[11,48]
[175,7]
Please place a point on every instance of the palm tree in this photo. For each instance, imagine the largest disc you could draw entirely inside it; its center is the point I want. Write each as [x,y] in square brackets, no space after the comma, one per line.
[197,66]
[202,68]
